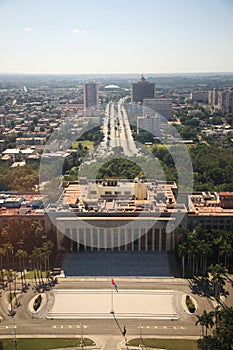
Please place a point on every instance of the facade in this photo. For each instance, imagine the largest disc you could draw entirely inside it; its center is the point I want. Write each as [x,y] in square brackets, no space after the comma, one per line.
[162,106]
[141,90]
[120,215]
[91,95]
[211,210]
[225,101]
[213,98]
[149,123]
[200,96]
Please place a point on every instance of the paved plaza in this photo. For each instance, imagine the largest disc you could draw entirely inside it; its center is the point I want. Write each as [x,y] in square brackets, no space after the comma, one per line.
[96,304]
[107,263]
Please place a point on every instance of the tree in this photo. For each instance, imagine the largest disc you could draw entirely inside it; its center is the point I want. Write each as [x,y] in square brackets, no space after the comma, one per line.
[222,329]
[218,273]
[206,321]
[182,252]
[2,254]
[21,255]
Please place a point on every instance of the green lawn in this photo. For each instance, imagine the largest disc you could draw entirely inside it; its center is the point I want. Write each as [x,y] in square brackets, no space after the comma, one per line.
[85,143]
[30,274]
[42,344]
[169,344]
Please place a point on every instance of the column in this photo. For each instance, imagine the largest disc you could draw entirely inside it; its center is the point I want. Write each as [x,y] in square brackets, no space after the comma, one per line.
[98,239]
[146,241]
[119,239]
[92,238]
[105,239]
[153,239]
[139,244]
[112,240]
[85,239]
[126,236]
[132,239]
[160,239]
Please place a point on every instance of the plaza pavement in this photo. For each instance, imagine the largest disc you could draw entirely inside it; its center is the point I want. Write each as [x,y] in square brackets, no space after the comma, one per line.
[98,304]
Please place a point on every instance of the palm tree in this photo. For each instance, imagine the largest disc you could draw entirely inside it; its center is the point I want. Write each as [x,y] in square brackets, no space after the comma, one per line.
[218,273]
[21,255]
[8,249]
[205,320]
[226,251]
[182,251]
[2,254]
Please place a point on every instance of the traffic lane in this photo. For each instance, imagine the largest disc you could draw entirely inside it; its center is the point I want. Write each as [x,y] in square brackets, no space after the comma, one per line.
[101,327]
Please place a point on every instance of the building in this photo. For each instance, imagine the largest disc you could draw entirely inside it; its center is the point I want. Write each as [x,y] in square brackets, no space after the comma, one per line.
[3,120]
[211,210]
[213,98]
[91,95]
[162,106]
[225,101]
[150,123]
[142,90]
[118,215]
[200,96]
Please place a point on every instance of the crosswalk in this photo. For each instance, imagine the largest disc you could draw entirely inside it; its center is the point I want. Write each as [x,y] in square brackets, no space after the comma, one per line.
[162,327]
[69,326]
[8,327]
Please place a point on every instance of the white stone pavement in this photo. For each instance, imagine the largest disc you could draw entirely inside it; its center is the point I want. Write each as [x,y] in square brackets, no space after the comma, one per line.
[95,304]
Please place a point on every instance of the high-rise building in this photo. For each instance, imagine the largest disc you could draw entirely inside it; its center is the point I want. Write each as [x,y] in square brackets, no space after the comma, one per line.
[91,95]
[141,90]
[162,106]
[225,101]
[200,96]
[149,123]
[213,97]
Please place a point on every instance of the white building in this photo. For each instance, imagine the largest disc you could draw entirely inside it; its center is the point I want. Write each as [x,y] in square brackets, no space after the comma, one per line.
[91,95]
[162,106]
[149,123]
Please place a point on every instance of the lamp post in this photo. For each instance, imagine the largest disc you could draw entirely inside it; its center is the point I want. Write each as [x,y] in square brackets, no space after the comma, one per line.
[82,340]
[14,340]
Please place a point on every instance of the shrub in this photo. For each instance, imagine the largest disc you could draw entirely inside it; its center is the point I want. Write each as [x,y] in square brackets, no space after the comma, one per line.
[37,302]
[191,307]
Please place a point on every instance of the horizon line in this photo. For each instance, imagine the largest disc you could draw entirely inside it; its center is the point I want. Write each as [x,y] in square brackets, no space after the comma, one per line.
[114,73]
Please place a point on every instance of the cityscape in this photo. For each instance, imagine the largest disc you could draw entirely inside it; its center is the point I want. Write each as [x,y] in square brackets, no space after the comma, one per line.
[116,188]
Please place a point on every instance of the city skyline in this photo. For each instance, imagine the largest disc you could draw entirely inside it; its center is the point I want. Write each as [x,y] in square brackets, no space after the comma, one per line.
[108,37]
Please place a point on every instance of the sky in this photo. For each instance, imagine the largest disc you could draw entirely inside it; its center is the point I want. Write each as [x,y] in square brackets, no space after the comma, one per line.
[121,36]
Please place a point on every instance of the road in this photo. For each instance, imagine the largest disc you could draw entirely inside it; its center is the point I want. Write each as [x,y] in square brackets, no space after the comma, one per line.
[117,131]
[185,326]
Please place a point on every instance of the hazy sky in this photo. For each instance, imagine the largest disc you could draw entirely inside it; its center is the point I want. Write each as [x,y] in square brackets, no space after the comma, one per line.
[120,36]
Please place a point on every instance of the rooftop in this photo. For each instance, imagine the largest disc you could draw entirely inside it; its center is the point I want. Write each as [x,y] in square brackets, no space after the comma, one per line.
[118,196]
[210,203]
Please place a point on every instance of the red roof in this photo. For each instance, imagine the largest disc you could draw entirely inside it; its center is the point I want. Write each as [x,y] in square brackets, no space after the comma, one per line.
[226,194]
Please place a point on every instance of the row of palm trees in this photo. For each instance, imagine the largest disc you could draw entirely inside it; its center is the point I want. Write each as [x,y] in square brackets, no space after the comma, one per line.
[39,257]
[199,247]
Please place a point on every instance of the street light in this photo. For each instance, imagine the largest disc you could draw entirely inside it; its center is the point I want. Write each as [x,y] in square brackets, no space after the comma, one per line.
[14,340]
[82,340]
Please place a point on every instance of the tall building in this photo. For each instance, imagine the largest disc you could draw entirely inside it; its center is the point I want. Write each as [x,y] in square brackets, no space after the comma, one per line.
[225,101]
[91,95]
[162,106]
[149,123]
[141,90]
[213,97]
[200,96]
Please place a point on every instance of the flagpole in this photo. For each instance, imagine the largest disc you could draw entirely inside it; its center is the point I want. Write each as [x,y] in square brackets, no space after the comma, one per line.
[112,311]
